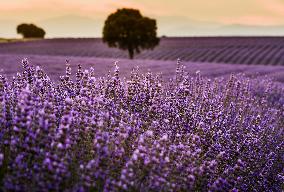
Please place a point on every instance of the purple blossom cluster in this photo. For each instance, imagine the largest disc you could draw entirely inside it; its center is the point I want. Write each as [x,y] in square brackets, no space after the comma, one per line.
[139,134]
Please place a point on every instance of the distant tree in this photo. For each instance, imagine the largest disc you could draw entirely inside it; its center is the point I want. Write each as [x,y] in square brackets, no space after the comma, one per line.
[128,30]
[30,31]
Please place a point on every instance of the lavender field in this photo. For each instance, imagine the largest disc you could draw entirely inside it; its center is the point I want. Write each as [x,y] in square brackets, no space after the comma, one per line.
[213,56]
[78,116]
[234,50]
[54,66]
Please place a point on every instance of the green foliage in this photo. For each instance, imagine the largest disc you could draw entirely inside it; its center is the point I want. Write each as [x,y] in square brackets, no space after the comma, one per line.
[30,31]
[128,30]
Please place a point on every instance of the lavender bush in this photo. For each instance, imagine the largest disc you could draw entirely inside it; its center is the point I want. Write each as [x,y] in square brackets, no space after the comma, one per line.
[141,134]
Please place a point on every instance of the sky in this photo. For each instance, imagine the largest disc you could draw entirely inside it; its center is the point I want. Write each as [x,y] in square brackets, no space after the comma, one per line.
[82,18]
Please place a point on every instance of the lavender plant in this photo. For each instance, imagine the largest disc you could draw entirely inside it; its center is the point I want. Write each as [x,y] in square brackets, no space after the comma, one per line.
[140,134]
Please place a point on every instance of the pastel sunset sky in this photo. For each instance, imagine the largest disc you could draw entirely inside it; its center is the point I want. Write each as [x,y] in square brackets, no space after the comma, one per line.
[174,17]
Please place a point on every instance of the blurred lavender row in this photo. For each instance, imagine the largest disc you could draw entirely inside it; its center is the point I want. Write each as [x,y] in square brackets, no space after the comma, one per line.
[54,66]
[233,50]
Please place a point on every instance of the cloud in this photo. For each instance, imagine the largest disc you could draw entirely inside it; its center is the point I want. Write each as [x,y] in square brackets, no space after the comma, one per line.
[275,7]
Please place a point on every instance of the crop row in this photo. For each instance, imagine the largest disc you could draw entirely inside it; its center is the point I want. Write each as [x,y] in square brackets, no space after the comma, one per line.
[241,50]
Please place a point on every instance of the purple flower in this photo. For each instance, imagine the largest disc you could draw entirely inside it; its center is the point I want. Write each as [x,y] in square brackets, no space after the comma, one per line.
[113,134]
[1,159]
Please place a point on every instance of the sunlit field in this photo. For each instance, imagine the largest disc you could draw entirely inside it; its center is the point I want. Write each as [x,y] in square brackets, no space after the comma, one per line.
[141,96]
[96,121]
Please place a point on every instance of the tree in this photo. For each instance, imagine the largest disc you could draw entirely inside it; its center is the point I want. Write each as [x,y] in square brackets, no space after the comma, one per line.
[30,31]
[128,30]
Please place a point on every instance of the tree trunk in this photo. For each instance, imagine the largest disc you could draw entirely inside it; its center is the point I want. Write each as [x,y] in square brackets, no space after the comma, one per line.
[130,52]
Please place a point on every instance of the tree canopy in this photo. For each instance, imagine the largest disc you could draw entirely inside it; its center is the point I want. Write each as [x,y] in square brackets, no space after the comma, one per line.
[30,31]
[128,30]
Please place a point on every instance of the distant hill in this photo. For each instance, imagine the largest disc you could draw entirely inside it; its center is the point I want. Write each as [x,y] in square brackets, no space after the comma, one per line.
[193,28]
[76,26]
[182,26]
[8,28]
[79,26]
[250,30]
